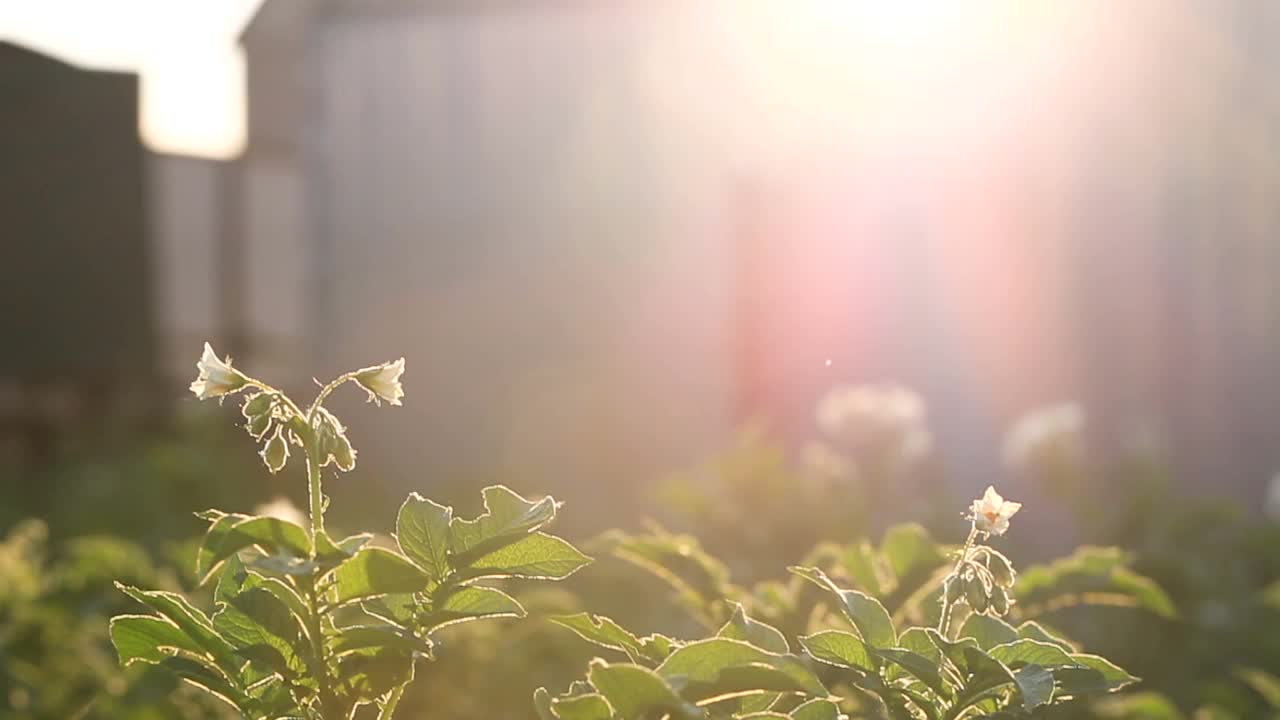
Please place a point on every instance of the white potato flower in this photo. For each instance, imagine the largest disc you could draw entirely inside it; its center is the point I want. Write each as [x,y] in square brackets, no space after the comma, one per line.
[991,512]
[216,377]
[1040,438]
[382,382]
[884,418]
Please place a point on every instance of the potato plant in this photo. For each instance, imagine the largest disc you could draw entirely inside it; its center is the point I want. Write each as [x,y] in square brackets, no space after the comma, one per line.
[947,650]
[308,626]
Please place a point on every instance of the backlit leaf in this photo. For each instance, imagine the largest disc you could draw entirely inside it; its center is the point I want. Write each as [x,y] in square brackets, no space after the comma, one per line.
[377,571]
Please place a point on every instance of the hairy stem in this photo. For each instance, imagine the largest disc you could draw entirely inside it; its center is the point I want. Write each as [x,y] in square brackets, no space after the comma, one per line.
[324,392]
[317,496]
[947,600]
[315,628]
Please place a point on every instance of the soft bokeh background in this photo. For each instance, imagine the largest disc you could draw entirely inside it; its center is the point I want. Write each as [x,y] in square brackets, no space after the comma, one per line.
[609,236]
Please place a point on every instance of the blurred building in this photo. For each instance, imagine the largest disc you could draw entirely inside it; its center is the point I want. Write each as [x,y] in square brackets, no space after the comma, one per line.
[483,189]
[605,234]
[74,285]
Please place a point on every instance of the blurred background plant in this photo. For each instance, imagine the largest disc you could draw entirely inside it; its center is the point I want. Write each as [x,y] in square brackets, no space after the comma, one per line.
[55,659]
[1191,604]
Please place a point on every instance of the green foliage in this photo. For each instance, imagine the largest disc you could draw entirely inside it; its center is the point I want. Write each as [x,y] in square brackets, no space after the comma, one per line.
[303,626]
[56,660]
[291,636]
[875,666]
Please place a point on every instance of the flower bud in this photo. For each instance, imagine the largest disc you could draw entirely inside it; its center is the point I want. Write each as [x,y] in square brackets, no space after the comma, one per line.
[975,592]
[999,601]
[382,382]
[276,452]
[344,456]
[258,425]
[332,443]
[258,404]
[1001,569]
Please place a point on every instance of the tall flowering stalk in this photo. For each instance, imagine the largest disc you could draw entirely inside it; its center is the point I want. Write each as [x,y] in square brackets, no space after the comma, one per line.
[982,577]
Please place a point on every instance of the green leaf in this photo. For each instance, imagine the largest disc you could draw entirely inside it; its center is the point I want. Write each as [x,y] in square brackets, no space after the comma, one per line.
[865,612]
[507,516]
[918,666]
[911,552]
[149,639]
[591,706]
[636,691]
[863,564]
[212,541]
[917,640]
[816,709]
[397,608]
[1263,683]
[762,635]
[988,631]
[234,580]
[273,535]
[757,702]
[658,647]
[1095,576]
[708,662]
[537,556]
[1030,652]
[1035,683]
[190,620]
[330,554]
[1114,677]
[602,631]
[371,676]
[1144,591]
[422,530]
[1032,630]
[542,704]
[284,565]
[1077,681]
[206,679]
[839,648]
[677,560]
[376,571]
[363,637]
[986,674]
[1138,706]
[262,628]
[474,603]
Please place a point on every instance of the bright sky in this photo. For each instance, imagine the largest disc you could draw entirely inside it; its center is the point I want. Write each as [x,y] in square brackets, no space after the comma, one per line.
[185,51]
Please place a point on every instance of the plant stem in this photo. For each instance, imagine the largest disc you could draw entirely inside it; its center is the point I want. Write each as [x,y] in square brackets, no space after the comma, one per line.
[324,392]
[315,628]
[317,497]
[947,600]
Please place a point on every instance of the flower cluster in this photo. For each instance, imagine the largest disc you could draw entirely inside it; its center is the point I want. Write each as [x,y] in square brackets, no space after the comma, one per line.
[982,577]
[273,420]
[1046,439]
[882,422]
